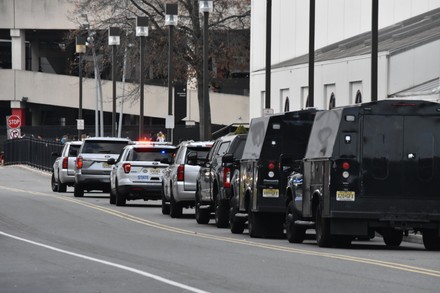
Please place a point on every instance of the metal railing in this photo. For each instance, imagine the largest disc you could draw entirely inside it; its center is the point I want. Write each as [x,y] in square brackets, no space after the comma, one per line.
[31,151]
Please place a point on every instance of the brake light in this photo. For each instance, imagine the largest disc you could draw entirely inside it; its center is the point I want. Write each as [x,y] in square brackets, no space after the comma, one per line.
[271,166]
[226,177]
[79,163]
[126,167]
[181,173]
[345,165]
[65,162]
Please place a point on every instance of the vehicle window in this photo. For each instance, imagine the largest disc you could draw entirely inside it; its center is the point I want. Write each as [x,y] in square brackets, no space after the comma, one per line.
[223,148]
[212,151]
[202,152]
[103,147]
[151,154]
[239,149]
[122,155]
[72,149]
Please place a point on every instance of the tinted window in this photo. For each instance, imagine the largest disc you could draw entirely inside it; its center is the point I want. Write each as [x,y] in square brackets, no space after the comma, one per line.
[103,147]
[239,149]
[149,154]
[202,152]
[72,150]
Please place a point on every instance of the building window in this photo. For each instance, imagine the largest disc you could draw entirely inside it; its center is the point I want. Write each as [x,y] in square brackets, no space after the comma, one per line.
[307,101]
[332,102]
[358,97]
[287,105]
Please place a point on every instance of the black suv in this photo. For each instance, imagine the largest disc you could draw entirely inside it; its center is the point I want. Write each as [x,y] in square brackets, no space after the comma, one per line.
[214,180]
[260,183]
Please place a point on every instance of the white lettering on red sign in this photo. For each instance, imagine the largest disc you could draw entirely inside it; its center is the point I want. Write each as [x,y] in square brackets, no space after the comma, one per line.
[14,121]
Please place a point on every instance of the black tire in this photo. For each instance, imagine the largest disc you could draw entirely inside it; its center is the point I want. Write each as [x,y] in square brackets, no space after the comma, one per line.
[392,237]
[120,198]
[431,240]
[53,183]
[236,224]
[294,232]
[202,215]
[175,208]
[254,223]
[62,187]
[165,205]
[322,228]
[78,191]
[221,213]
[112,196]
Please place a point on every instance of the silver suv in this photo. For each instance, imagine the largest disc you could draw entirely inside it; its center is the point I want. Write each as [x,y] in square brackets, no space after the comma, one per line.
[137,173]
[92,169]
[179,179]
[63,172]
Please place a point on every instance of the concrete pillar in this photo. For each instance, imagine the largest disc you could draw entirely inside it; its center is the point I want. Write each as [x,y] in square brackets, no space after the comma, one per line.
[18,49]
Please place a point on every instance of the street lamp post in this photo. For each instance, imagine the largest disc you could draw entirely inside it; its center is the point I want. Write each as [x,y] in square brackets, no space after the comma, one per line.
[142,32]
[80,49]
[206,7]
[171,20]
[113,40]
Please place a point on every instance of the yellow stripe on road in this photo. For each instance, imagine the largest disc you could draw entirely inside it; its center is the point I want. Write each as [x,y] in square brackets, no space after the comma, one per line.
[131,218]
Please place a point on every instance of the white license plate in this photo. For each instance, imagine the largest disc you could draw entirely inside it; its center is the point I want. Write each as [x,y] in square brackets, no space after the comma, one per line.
[105,165]
[154,171]
[142,177]
[271,193]
[345,195]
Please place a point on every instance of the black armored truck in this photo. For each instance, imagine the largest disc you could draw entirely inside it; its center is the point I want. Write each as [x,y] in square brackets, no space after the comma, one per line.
[259,184]
[369,168]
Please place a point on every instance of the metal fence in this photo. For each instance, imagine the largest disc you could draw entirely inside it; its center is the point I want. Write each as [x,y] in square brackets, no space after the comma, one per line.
[31,151]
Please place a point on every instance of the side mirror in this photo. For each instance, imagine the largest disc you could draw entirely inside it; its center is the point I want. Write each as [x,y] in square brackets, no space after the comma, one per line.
[111,161]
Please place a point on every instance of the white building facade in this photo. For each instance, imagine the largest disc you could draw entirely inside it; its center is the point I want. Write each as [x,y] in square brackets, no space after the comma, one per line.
[339,74]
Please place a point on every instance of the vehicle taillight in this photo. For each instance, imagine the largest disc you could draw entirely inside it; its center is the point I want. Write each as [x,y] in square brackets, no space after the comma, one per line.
[271,167]
[126,167]
[181,173]
[345,167]
[79,163]
[226,177]
[65,162]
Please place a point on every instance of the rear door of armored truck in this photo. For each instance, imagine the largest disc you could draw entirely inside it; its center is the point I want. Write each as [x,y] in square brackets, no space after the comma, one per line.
[401,151]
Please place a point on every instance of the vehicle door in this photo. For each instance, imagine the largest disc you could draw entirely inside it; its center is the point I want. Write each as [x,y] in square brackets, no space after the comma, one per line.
[216,174]
[399,156]
[205,173]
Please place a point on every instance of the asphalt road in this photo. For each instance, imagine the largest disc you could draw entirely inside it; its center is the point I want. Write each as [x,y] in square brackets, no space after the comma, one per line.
[54,242]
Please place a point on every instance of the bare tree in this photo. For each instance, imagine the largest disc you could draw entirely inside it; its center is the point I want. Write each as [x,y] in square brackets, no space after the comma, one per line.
[228,37]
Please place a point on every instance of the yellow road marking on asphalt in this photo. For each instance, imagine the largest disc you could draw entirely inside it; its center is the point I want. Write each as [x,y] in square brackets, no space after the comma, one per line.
[128,217]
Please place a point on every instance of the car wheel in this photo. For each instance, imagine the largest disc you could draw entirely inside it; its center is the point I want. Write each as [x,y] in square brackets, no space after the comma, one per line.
[221,213]
[175,208]
[78,191]
[236,224]
[431,240]
[254,223]
[392,237]
[120,198]
[53,183]
[202,215]
[165,206]
[322,228]
[112,196]
[294,232]
[62,187]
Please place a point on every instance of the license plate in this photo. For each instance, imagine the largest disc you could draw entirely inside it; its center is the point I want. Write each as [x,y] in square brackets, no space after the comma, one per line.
[154,171]
[345,195]
[270,193]
[105,165]
[142,177]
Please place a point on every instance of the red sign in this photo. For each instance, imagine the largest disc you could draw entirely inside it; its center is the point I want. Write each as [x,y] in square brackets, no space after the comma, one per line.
[14,121]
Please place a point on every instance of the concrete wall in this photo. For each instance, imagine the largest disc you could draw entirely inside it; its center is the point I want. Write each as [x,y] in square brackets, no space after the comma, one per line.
[60,90]
[37,14]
